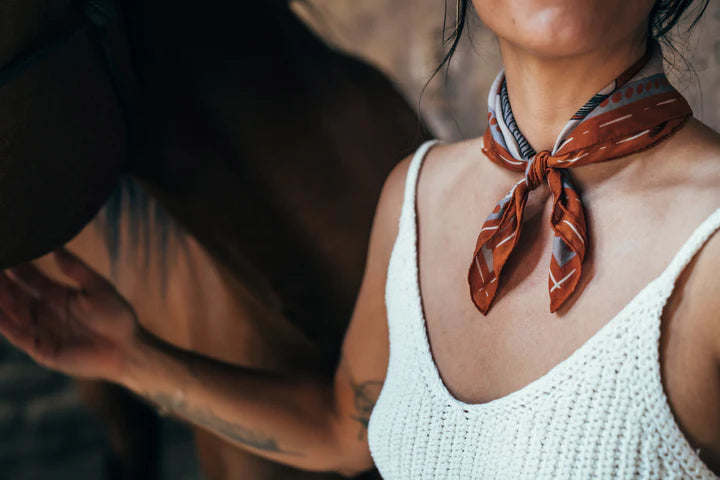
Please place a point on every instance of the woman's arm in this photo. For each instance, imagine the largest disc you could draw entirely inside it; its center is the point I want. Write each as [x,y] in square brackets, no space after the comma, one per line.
[305,422]
[286,418]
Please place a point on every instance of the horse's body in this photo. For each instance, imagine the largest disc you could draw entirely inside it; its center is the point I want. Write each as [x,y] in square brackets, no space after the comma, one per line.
[268,149]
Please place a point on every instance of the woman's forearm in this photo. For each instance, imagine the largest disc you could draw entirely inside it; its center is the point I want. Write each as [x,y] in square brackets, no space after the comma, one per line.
[290,420]
[91,331]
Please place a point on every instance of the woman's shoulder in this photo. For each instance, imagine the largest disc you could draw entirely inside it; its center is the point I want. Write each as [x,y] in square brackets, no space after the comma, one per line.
[438,166]
[435,169]
[697,152]
[693,164]
[454,157]
[455,175]
[439,173]
[683,171]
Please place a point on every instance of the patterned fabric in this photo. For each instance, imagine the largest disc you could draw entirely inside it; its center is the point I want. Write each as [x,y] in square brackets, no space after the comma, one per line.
[636,111]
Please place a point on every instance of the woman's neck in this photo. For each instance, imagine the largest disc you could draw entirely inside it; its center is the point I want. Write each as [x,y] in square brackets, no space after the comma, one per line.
[545,92]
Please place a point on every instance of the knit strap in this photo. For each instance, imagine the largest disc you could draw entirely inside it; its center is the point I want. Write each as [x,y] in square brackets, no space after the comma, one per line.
[687,252]
[407,215]
[402,289]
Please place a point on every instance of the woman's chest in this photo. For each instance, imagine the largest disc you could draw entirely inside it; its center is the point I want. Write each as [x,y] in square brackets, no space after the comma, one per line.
[483,358]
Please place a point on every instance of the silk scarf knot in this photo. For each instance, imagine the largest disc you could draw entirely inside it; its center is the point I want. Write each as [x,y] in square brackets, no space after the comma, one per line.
[536,170]
[634,112]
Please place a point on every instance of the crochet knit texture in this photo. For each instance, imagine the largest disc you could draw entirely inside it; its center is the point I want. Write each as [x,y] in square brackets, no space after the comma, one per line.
[600,414]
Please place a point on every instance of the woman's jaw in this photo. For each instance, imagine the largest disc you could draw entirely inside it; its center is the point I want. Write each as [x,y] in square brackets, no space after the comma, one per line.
[558,53]
[564,28]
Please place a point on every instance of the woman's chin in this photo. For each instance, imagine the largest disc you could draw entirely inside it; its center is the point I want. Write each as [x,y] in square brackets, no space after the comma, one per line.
[566,43]
[564,28]
[550,48]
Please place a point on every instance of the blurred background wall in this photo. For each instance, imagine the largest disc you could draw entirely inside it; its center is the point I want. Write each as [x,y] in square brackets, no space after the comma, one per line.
[404,39]
[45,433]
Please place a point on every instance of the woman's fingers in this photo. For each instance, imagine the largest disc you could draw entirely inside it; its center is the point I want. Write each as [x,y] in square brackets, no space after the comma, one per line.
[16,302]
[20,317]
[39,284]
[42,346]
[19,335]
[76,269]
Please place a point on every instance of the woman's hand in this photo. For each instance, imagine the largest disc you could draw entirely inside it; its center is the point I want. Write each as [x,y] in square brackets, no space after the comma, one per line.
[83,332]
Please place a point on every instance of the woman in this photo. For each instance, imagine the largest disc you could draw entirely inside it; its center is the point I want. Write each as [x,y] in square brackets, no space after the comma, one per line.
[490,383]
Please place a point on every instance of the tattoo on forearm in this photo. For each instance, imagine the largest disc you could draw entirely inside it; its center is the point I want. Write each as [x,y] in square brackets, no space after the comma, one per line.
[366,394]
[204,417]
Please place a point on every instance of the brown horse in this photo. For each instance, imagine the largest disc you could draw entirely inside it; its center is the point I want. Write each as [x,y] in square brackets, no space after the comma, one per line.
[264,149]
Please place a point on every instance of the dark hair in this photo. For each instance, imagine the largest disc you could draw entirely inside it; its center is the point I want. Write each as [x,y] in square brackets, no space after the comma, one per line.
[664,15]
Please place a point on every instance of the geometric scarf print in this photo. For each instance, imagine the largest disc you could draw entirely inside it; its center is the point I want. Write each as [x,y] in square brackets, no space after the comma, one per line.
[634,112]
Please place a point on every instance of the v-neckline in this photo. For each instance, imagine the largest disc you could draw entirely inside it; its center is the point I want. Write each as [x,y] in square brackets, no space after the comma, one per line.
[563,371]
[552,376]
[528,391]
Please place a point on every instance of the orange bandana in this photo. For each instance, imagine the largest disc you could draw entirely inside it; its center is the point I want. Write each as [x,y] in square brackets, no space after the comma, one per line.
[633,113]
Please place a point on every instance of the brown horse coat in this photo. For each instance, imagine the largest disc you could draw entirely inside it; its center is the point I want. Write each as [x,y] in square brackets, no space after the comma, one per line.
[267,147]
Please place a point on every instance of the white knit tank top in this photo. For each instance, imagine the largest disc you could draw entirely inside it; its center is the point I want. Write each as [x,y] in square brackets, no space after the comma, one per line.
[600,414]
